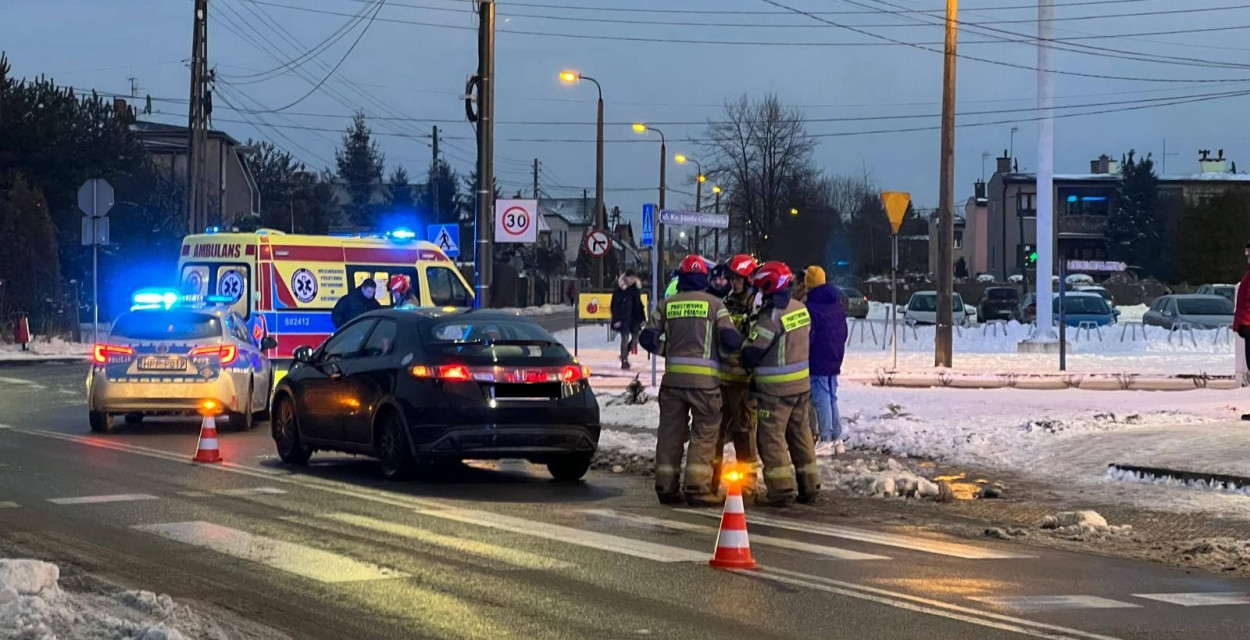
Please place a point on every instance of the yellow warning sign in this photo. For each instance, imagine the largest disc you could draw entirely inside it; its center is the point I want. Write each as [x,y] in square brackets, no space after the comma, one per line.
[896,206]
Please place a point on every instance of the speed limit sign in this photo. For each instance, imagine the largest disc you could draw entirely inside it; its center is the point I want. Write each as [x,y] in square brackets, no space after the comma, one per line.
[516,221]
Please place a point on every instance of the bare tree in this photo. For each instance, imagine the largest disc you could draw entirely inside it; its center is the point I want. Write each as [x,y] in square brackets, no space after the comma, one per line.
[760,151]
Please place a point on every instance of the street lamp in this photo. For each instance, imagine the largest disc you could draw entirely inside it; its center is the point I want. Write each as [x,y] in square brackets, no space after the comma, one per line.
[657,243]
[698,192]
[716,234]
[574,77]
[793,211]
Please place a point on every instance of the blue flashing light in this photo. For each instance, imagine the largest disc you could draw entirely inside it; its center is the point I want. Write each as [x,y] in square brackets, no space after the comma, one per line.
[218,299]
[154,299]
[402,234]
[211,230]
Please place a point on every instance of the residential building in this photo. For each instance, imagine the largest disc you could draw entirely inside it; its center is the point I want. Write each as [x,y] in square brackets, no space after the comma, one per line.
[232,191]
[568,220]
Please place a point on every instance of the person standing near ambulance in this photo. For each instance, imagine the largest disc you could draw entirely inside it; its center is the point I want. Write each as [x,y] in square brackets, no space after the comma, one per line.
[737,408]
[357,301]
[689,329]
[402,295]
[777,352]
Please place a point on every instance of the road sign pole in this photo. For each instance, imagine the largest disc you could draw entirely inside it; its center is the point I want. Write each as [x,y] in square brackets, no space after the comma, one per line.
[95,280]
[1063,317]
[894,296]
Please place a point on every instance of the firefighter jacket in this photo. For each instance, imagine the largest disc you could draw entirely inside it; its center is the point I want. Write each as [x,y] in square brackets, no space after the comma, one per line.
[688,329]
[777,348]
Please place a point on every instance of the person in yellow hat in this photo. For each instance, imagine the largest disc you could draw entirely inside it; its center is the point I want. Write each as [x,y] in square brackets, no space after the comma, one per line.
[827,307]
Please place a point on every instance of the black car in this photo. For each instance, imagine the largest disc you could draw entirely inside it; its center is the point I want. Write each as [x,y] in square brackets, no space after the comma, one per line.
[415,386]
[998,303]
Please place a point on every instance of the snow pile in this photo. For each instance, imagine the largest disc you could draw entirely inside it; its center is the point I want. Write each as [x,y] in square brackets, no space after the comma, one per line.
[33,607]
[622,410]
[1227,554]
[44,348]
[545,310]
[876,479]
[1077,525]
[1169,481]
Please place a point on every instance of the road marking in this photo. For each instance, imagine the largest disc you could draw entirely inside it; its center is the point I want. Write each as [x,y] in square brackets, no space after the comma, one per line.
[781,543]
[580,537]
[250,491]
[315,564]
[1051,603]
[25,384]
[1210,599]
[915,543]
[121,497]
[516,557]
[9,505]
[928,606]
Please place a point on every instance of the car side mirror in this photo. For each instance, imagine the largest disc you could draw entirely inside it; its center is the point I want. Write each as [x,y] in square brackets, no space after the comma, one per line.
[1115,312]
[269,342]
[303,354]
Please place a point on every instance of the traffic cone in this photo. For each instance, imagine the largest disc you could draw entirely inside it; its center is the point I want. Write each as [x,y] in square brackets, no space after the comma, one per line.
[733,550]
[206,450]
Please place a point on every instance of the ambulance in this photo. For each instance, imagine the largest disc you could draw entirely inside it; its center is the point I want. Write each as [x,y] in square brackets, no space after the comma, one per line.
[285,285]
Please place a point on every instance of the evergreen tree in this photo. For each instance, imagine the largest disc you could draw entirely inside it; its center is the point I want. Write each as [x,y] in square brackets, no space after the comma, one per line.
[400,190]
[28,266]
[442,193]
[1135,224]
[1213,237]
[359,162]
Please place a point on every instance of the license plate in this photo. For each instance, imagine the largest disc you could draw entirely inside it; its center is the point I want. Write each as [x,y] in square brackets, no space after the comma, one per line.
[159,363]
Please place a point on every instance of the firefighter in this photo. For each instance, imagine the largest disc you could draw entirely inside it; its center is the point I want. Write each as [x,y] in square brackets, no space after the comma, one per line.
[776,351]
[689,329]
[402,294]
[738,410]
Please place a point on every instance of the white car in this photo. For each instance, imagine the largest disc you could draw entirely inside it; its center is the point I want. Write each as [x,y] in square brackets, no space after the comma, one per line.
[922,309]
[987,278]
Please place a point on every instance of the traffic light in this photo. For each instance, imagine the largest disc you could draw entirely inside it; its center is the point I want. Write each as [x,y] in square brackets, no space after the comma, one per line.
[1030,256]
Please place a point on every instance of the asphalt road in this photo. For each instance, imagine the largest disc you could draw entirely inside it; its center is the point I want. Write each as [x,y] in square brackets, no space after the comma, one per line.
[499,550]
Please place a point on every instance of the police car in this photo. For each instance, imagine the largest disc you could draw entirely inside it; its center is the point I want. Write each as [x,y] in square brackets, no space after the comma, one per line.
[170,355]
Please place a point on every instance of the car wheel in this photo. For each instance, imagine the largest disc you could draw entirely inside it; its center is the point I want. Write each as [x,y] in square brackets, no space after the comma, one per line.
[99,421]
[569,468]
[393,450]
[134,418]
[286,434]
[244,420]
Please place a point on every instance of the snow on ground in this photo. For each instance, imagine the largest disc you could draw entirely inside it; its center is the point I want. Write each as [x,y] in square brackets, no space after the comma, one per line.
[34,607]
[42,349]
[545,310]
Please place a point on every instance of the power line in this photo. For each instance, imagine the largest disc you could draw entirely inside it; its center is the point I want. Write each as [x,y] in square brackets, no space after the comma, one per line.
[303,58]
[567,7]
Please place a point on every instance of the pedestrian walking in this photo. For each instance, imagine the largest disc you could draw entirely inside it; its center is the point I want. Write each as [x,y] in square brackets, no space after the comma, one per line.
[628,314]
[827,306]
[1241,314]
[737,406]
[777,351]
[357,301]
[689,329]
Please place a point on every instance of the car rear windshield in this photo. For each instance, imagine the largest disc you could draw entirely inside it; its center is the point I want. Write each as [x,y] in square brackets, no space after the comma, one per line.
[167,325]
[496,337]
[1204,307]
[1001,294]
[852,293]
[1083,304]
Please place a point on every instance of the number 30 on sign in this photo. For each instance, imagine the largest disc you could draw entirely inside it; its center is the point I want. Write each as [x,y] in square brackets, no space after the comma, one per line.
[516,221]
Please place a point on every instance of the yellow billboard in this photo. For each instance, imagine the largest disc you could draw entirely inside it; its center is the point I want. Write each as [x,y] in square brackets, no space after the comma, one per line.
[597,306]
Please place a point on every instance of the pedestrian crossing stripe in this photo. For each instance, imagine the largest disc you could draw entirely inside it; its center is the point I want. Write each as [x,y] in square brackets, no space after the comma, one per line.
[1209,599]
[1051,603]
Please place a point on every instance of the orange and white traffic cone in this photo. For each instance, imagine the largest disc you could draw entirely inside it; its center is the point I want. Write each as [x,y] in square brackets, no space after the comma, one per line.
[207,450]
[733,550]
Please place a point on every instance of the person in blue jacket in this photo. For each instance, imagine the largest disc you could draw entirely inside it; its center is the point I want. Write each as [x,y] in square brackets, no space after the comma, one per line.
[827,306]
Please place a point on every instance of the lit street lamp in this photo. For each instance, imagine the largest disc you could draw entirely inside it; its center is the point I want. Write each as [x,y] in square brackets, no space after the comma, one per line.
[716,234]
[698,192]
[657,242]
[574,77]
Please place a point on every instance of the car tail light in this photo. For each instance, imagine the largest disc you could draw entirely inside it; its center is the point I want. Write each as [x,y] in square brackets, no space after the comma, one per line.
[101,352]
[456,372]
[227,352]
[573,373]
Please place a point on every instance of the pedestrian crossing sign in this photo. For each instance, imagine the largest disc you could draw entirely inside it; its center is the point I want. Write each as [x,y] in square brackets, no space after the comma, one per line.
[447,237]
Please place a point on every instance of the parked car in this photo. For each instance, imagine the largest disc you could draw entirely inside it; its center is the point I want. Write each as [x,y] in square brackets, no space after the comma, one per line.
[1199,311]
[1102,291]
[417,385]
[987,278]
[1085,306]
[1027,311]
[1079,279]
[1223,290]
[998,303]
[922,309]
[856,302]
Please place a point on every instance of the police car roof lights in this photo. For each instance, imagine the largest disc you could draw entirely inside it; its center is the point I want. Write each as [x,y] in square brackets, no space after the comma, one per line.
[154,299]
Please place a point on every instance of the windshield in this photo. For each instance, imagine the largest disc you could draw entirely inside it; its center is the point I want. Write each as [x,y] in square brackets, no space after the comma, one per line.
[1204,307]
[924,302]
[167,325]
[1001,294]
[1083,304]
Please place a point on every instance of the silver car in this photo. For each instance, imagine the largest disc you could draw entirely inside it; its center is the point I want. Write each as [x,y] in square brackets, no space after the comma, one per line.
[1199,312]
[178,361]
[1223,290]
[922,309]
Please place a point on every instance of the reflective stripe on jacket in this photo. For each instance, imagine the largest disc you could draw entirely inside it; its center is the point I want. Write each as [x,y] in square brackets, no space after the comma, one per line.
[784,337]
[687,324]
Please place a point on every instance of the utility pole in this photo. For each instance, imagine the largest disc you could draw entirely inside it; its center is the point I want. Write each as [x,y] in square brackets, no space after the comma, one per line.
[944,343]
[1045,171]
[433,186]
[600,211]
[197,123]
[485,150]
[535,178]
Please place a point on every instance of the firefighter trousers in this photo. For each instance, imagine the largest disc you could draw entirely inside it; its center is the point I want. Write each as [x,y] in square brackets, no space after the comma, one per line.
[737,426]
[786,448]
[692,414]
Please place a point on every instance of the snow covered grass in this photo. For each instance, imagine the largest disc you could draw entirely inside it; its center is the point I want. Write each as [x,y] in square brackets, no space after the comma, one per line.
[34,607]
[545,310]
[43,349]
